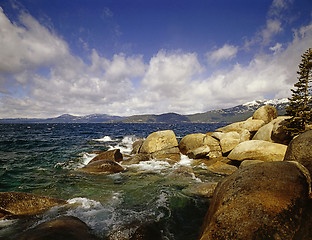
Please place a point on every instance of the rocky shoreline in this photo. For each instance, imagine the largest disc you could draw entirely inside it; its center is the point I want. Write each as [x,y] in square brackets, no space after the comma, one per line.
[266,194]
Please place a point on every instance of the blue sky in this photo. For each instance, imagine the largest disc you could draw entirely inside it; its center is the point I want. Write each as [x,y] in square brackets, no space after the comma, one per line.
[123,57]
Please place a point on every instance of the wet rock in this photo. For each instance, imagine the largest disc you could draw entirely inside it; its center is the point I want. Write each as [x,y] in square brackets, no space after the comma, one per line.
[266,113]
[205,189]
[19,203]
[158,141]
[260,201]
[136,231]
[222,168]
[258,150]
[62,228]
[137,158]
[299,149]
[114,155]
[172,154]
[136,146]
[182,171]
[102,166]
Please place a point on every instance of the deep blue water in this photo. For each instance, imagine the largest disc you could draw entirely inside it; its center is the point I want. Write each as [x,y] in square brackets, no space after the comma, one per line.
[42,159]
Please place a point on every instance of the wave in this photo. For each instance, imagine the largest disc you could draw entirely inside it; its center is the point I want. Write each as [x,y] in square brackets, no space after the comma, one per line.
[105,139]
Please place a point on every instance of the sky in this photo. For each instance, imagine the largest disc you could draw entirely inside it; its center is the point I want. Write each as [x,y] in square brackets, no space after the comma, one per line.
[127,57]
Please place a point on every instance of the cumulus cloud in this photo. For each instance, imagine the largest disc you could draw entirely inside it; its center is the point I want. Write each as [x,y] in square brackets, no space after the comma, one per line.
[171,81]
[226,52]
[27,45]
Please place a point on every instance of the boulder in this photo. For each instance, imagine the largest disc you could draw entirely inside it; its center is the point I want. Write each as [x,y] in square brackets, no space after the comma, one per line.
[229,141]
[62,228]
[260,201]
[200,145]
[158,141]
[246,163]
[114,155]
[273,131]
[299,149]
[266,113]
[102,166]
[252,125]
[222,168]
[200,152]
[136,146]
[169,153]
[19,203]
[137,158]
[258,150]
[191,141]
[205,189]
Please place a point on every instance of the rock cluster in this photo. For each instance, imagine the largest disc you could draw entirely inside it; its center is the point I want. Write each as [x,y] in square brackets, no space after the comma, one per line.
[266,194]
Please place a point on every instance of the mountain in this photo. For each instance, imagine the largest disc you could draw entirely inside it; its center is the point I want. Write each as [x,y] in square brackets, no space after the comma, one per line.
[162,118]
[234,114]
[240,112]
[237,113]
[66,118]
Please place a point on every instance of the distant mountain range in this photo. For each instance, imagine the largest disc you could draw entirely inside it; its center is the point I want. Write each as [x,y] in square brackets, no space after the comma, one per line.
[237,113]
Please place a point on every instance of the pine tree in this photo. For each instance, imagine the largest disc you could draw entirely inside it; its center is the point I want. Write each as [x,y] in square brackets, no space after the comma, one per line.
[300,104]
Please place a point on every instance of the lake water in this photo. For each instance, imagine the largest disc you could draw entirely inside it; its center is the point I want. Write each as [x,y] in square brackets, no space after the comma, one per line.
[42,159]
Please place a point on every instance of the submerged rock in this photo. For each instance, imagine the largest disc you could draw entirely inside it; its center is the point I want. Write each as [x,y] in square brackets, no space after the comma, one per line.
[114,155]
[62,228]
[260,201]
[19,203]
[258,150]
[102,166]
[205,189]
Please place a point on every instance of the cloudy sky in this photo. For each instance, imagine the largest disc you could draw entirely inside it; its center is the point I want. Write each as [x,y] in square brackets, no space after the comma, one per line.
[126,57]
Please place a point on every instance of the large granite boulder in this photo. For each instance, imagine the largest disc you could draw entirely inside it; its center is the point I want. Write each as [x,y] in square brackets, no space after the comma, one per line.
[300,150]
[273,131]
[102,166]
[252,125]
[203,189]
[260,201]
[62,228]
[222,168]
[114,155]
[266,113]
[200,145]
[258,150]
[19,203]
[158,141]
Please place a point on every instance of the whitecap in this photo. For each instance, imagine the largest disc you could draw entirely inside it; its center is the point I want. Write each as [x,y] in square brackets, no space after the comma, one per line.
[125,145]
[105,139]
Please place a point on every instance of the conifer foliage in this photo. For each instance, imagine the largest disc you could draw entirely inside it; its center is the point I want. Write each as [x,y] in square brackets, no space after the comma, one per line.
[300,104]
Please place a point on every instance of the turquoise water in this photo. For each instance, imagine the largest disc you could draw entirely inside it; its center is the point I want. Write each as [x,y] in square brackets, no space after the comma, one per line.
[42,159]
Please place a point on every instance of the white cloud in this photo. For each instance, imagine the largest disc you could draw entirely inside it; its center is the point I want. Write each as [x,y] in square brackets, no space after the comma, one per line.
[226,52]
[126,85]
[27,46]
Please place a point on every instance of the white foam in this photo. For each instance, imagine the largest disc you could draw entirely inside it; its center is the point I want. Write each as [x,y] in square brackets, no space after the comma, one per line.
[185,161]
[84,203]
[105,139]
[125,145]
[6,222]
[151,165]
